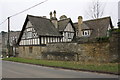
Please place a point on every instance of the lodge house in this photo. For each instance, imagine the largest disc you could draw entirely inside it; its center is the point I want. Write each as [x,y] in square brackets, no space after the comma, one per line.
[38,31]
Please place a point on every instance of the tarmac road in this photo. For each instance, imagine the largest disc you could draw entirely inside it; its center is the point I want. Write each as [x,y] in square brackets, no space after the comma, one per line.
[22,70]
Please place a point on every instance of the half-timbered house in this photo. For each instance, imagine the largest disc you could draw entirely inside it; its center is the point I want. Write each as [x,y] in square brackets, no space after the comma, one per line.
[39,31]
[65,27]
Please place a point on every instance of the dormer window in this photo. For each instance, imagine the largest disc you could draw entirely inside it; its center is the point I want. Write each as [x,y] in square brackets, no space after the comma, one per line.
[86,33]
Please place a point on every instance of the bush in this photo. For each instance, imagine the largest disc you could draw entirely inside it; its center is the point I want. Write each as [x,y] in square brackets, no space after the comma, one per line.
[102,39]
[117,30]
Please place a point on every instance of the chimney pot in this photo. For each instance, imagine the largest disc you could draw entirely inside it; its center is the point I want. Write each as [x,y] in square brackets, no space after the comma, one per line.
[80,20]
[54,13]
[80,17]
[50,15]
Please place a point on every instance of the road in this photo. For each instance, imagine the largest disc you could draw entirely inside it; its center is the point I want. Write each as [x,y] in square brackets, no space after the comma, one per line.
[22,70]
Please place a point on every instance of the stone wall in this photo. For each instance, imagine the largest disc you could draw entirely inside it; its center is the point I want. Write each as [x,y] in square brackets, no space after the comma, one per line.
[115,45]
[60,51]
[24,51]
[82,52]
[94,51]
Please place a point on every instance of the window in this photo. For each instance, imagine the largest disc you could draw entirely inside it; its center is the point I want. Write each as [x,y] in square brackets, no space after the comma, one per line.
[29,29]
[83,32]
[69,36]
[86,33]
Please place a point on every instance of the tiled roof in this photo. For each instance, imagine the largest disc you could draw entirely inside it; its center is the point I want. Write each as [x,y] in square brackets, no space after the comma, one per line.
[63,23]
[43,26]
[98,26]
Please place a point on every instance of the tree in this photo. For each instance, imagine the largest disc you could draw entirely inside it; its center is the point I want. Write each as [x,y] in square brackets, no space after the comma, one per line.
[96,9]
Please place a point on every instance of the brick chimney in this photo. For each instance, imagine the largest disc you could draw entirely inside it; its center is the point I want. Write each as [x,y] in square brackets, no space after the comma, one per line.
[54,19]
[80,21]
[50,15]
[54,14]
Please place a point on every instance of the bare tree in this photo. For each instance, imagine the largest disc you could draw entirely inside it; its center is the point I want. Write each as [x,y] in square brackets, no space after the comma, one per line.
[96,9]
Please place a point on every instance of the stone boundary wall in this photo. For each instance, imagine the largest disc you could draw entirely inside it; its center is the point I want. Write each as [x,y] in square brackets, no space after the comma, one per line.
[25,52]
[84,52]
[115,45]
[81,52]
[91,51]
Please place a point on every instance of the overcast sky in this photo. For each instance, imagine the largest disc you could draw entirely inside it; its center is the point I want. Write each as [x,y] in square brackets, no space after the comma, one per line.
[70,8]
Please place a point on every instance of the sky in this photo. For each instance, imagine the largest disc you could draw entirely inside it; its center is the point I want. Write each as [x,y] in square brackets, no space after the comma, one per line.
[71,8]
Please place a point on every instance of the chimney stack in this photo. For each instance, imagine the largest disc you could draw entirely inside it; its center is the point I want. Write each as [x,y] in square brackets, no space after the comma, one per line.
[54,19]
[80,21]
[50,15]
[54,14]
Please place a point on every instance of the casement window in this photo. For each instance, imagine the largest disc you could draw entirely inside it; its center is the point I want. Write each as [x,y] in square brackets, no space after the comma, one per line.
[38,40]
[83,33]
[48,39]
[69,35]
[86,33]
[42,41]
[29,33]
[29,29]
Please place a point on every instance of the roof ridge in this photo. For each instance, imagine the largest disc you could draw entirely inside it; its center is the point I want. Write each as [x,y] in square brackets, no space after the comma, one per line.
[93,19]
[64,19]
[97,19]
[38,17]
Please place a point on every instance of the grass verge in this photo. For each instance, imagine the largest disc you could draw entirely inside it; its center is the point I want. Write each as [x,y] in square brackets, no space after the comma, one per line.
[96,67]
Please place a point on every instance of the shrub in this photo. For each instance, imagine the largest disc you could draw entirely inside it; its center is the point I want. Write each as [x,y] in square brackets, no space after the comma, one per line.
[102,39]
[117,30]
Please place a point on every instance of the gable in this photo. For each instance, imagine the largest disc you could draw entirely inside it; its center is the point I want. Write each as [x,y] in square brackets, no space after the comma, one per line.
[40,26]
[43,26]
[63,23]
[99,26]
[69,28]
[29,31]
[28,24]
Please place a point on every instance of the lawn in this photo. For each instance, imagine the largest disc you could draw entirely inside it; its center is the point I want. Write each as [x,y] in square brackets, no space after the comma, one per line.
[105,67]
